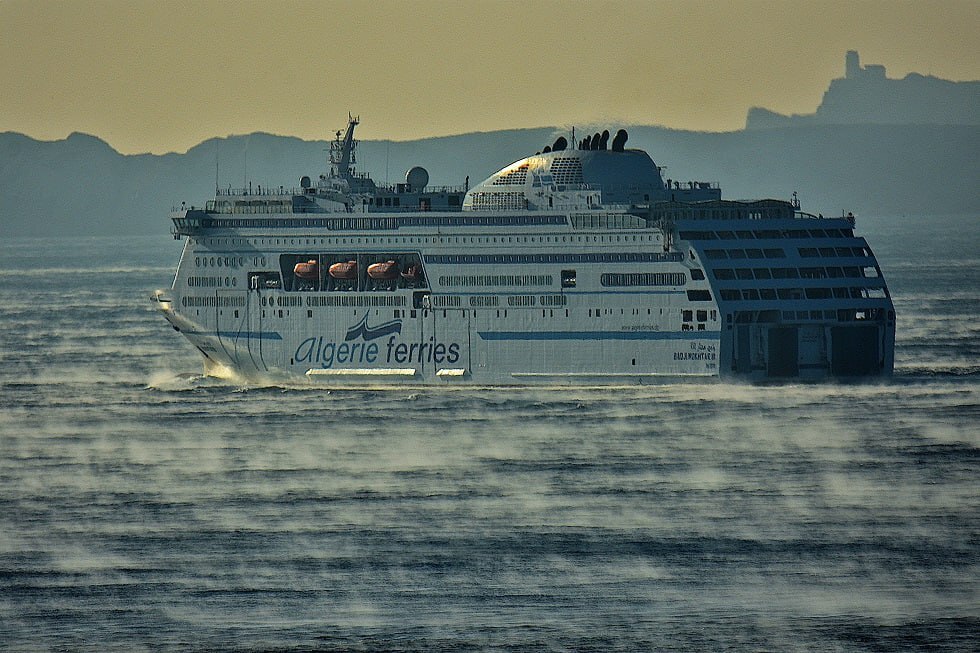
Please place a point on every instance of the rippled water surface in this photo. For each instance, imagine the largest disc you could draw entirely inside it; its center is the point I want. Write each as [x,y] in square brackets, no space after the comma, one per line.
[143,507]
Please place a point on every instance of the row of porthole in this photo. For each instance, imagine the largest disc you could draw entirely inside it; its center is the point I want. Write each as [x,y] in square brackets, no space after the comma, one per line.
[433,240]
[226,261]
[548,239]
[210,282]
[283,301]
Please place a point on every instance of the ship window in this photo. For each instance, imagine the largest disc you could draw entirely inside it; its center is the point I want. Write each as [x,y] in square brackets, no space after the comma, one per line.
[715,254]
[818,293]
[642,279]
[736,253]
[697,235]
[808,252]
[697,274]
[835,272]
[702,316]
[753,253]
[687,316]
[726,235]
[698,296]
[745,234]
[730,295]
[568,278]
[762,273]
[767,293]
[724,273]
[812,273]
[743,273]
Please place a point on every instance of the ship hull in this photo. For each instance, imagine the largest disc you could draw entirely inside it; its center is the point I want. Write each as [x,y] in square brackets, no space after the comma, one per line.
[525,307]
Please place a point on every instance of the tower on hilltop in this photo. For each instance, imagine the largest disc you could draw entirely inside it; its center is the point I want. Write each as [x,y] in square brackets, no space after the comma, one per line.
[852,64]
[853,69]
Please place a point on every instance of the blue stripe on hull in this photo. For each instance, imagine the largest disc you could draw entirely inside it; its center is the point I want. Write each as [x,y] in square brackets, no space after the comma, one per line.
[600,335]
[254,335]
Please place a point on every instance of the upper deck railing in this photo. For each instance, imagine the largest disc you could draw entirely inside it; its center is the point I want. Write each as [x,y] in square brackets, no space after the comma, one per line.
[737,210]
[803,215]
[259,191]
[276,191]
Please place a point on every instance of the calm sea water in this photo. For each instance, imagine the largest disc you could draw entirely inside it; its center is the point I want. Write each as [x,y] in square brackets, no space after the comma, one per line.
[143,508]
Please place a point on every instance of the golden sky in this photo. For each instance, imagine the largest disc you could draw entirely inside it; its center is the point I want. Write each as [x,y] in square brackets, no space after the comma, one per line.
[162,75]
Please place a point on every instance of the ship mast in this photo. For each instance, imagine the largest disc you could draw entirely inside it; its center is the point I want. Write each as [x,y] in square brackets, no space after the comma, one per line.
[342,150]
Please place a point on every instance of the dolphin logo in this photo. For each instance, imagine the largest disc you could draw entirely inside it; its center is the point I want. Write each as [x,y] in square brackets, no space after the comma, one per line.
[362,330]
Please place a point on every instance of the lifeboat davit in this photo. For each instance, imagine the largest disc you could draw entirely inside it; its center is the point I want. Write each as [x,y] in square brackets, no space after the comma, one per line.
[383,270]
[412,273]
[307,270]
[346,270]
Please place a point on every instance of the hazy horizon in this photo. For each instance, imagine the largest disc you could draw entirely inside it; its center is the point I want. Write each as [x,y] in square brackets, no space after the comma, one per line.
[166,76]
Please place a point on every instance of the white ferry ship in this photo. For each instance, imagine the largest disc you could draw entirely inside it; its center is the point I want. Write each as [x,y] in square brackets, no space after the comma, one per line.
[579,264]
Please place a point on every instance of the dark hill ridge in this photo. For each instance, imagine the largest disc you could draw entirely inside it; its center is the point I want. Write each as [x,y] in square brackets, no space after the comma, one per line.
[81,186]
[875,145]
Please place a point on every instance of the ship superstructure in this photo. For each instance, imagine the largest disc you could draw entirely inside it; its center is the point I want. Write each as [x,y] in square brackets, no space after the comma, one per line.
[579,264]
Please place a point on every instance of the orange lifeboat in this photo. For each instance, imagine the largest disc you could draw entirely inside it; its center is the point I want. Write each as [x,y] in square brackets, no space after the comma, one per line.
[346,270]
[307,270]
[383,270]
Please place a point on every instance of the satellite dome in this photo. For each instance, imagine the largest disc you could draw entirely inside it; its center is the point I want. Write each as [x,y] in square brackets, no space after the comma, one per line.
[417,178]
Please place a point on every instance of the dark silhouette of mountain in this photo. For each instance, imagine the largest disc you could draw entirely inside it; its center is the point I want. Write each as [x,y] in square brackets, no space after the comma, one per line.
[81,186]
[866,96]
